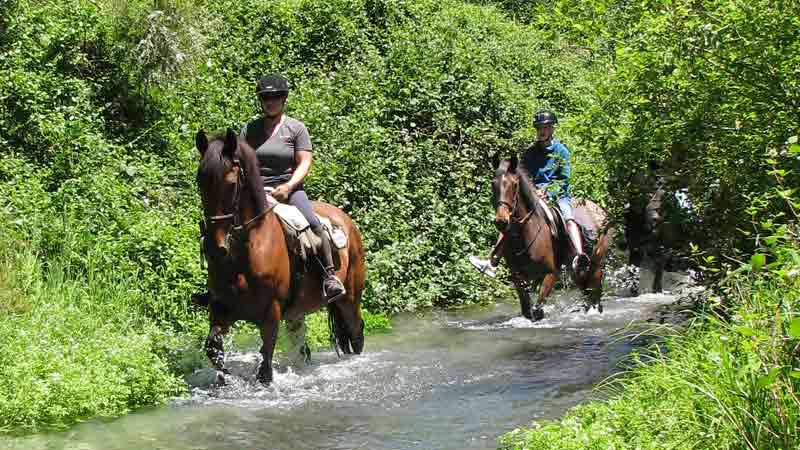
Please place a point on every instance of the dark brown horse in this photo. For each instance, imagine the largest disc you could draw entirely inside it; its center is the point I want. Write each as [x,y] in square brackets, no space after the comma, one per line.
[656,235]
[535,253]
[252,275]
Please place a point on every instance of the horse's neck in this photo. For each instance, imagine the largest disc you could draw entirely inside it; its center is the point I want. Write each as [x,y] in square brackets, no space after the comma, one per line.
[536,225]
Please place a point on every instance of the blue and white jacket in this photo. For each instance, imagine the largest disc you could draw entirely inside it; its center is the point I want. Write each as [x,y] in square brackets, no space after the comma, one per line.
[549,167]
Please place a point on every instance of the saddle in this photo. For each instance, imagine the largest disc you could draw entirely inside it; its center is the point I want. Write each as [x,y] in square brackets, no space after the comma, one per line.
[301,241]
[558,225]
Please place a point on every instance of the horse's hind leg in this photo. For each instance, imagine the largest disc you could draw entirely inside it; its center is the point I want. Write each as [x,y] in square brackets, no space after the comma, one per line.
[544,291]
[348,325]
[594,290]
[269,334]
[594,285]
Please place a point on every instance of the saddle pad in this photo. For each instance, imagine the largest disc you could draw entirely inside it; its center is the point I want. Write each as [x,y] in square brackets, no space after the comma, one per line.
[549,212]
[292,217]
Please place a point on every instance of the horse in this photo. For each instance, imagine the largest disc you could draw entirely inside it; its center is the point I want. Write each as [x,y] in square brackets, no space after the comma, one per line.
[654,234]
[534,251]
[252,275]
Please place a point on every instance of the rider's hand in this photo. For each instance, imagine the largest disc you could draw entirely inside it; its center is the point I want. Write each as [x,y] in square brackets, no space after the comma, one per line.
[281,193]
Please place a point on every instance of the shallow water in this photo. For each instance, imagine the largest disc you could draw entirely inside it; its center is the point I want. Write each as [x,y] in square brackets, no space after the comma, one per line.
[446,380]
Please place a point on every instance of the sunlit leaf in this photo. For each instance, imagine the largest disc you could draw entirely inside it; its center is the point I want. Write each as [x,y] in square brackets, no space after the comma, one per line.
[757,261]
[794,328]
[768,379]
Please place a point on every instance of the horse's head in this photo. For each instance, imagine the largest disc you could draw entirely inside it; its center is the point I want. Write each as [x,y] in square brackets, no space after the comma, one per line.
[505,191]
[219,178]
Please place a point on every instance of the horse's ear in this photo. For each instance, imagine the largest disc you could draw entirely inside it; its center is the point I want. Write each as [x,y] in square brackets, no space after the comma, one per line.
[201,142]
[512,164]
[495,161]
[230,143]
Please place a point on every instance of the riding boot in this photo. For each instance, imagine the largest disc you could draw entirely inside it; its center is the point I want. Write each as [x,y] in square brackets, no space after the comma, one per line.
[581,262]
[332,287]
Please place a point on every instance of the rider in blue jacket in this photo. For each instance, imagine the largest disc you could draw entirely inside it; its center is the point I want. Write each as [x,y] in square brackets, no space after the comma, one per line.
[547,162]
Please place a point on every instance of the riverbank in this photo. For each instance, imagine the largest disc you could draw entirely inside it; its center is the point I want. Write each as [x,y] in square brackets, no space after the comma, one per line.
[729,380]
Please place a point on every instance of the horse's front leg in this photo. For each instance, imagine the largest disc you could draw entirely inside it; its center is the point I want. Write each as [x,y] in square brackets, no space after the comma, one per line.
[524,299]
[214,347]
[546,288]
[297,348]
[269,335]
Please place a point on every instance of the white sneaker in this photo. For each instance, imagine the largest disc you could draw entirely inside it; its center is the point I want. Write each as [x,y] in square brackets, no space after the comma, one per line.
[484,266]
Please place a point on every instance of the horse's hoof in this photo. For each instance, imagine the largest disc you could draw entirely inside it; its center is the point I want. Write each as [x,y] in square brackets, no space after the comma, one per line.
[537,314]
[600,308]
[205,379]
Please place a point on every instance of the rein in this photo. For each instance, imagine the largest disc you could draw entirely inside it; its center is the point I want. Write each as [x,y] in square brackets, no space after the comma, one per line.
[514,222]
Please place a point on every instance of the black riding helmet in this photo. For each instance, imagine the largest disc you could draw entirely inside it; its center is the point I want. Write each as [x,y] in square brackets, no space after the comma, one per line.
[544,117]
[272,84]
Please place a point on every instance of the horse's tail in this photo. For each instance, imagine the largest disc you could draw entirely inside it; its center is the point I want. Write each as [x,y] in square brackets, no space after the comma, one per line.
[333,322]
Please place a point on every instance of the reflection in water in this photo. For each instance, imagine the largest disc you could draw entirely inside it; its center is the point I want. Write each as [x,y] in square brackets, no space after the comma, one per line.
[452,380]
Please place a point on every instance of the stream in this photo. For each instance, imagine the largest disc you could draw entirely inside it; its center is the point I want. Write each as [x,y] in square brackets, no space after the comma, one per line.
[442,380]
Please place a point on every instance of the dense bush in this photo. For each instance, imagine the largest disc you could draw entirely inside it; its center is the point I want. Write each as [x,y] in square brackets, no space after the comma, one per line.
[407,103]
[708,90]
[405,111]
[73,349]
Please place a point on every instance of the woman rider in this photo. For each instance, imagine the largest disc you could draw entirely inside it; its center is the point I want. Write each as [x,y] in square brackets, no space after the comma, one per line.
[283,148]
[547,162]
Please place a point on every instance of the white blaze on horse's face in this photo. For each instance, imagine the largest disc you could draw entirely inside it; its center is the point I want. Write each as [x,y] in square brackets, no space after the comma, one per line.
[506,200]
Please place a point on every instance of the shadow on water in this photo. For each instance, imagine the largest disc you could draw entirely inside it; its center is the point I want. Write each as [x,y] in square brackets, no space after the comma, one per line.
[448,380]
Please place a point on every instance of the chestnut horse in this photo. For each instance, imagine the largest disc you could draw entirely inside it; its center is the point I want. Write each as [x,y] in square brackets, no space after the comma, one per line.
[252,275]
[533,252]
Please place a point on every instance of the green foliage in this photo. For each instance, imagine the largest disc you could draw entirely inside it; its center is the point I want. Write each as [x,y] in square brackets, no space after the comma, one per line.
[76,349]
[405,112]
[708,90]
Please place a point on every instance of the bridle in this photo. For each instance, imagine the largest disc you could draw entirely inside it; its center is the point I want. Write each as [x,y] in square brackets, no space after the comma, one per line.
[235,217]
[512,209]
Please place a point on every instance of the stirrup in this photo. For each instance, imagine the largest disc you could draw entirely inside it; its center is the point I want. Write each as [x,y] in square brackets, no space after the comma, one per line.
[484,266]
[581,263]
[334,297]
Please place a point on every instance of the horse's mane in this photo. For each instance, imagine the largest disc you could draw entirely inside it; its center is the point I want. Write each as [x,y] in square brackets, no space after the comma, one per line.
[527,189]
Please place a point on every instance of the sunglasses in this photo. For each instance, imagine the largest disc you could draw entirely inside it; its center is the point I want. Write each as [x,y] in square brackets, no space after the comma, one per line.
[271,95]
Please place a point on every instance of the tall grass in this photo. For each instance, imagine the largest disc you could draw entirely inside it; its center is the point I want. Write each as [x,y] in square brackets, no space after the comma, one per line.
[73,346]
[727,383]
